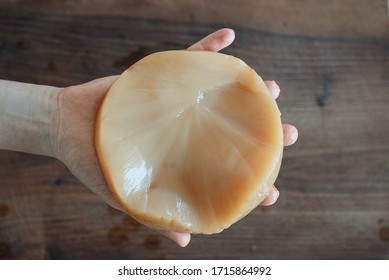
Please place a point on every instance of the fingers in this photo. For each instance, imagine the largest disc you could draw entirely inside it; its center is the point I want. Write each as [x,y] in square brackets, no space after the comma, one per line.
[215,41]
[273,88]
[182,239]
[290,137]
[271,197]
[290,134]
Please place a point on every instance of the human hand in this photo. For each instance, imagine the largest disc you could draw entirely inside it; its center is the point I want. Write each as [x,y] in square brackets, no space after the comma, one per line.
[78,107]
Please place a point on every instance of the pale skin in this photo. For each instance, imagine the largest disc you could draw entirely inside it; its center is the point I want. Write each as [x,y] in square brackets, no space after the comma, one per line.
[59,122]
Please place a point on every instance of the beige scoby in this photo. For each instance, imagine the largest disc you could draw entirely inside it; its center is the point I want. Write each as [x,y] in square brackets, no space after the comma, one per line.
[189,141]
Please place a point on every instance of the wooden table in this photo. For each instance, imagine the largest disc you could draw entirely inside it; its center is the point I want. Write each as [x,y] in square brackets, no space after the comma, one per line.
[331,59]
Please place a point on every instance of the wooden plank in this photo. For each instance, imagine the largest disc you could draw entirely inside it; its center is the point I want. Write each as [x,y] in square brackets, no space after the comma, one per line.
[348,18]
[333,69]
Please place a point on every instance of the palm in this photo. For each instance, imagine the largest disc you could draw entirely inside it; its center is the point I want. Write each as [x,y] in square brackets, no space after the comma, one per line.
[80,106]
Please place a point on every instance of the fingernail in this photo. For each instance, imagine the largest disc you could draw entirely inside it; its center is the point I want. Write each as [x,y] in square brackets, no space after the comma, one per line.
[184,241]
[278,192]
[275,86]
[293,132]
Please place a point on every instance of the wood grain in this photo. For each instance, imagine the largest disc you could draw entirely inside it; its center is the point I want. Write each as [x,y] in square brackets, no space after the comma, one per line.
[332,63]
[308,17]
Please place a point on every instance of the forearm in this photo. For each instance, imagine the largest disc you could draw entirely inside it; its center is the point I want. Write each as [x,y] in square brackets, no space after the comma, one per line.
[28,117]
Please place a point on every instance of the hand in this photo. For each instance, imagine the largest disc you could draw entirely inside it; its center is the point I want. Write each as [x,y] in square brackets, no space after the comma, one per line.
[78,106]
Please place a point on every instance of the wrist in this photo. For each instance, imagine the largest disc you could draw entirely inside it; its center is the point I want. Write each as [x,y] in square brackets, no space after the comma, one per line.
[29,118]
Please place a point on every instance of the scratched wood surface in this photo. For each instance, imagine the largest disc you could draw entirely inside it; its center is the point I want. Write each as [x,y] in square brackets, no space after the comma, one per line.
[331,59]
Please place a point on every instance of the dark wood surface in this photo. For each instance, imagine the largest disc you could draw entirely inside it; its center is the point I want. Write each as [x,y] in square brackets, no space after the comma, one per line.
[331,59]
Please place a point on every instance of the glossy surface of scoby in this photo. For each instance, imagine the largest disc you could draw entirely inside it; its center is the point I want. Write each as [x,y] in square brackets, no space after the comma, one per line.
[189,141]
